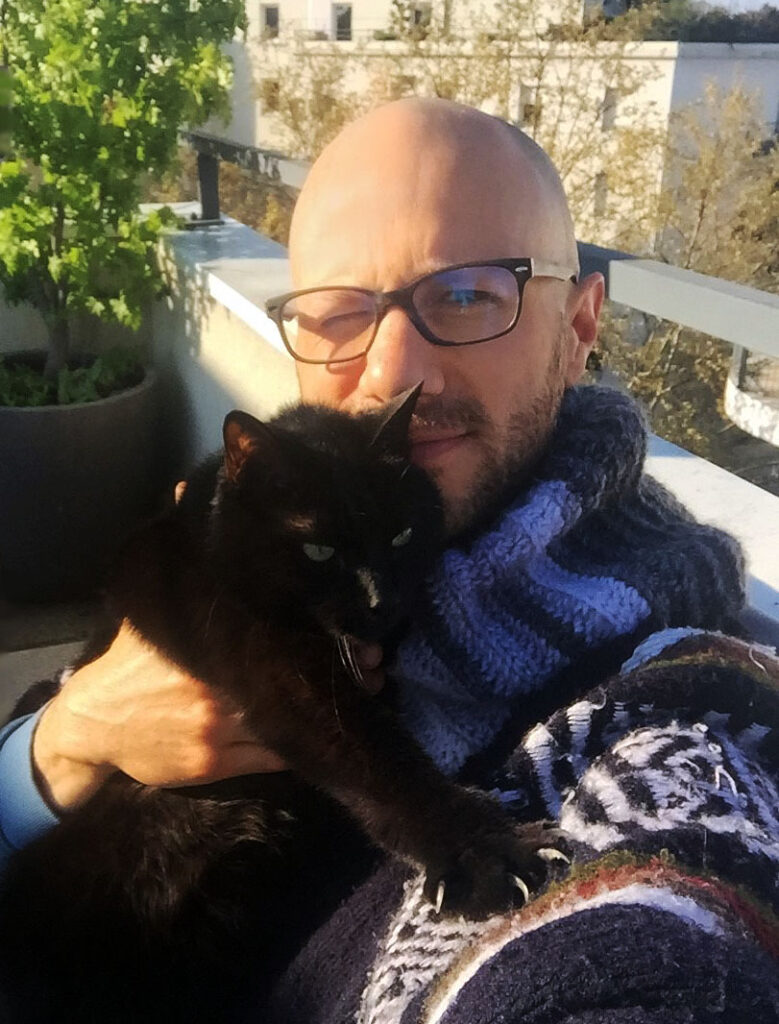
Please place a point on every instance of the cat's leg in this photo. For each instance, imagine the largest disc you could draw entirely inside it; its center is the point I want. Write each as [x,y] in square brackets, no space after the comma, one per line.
[476,860]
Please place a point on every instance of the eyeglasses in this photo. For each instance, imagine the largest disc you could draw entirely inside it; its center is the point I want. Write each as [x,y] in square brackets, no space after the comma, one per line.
[465,304]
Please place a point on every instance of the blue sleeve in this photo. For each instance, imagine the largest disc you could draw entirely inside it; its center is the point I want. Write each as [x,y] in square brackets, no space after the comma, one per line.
[24,814]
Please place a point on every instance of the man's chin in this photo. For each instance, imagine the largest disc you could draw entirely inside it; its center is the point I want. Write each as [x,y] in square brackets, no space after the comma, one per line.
[473,501]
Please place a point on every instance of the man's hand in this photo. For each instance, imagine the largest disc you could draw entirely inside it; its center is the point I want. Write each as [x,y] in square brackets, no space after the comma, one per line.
[133,710]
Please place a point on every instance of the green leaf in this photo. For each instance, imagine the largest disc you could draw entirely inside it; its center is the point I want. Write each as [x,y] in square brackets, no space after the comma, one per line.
[101,88]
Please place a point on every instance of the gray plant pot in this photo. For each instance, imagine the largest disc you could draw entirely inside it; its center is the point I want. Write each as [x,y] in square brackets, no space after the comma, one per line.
[74,480]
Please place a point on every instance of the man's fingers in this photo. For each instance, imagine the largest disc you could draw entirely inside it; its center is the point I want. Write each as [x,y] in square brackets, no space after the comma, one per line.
[248,758]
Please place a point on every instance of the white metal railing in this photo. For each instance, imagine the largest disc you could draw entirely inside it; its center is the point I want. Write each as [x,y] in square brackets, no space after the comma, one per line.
[736,313]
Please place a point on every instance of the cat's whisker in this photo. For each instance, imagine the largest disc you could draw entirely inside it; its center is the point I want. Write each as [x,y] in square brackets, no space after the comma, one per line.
[339,643]
[332,687]
[353,664]
[345,651]
[349,659]
[211,611]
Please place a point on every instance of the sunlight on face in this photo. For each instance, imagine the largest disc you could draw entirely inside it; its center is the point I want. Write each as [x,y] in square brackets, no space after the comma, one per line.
[433,192]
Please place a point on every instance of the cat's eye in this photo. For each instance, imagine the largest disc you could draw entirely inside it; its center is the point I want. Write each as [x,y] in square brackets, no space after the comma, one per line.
[402,538]
[319,552]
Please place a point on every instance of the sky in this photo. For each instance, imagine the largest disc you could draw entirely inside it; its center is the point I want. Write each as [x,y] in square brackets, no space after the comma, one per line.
[736,6]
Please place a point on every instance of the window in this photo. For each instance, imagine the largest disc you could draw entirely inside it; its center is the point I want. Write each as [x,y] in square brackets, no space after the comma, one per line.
[601,194]
[609,110]
[420,15]
[529,106]
[342,22]
[269,21]
[269,94]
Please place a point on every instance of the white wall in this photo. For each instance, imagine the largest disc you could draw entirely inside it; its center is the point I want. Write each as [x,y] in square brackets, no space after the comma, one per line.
[214,347]
[755,66]
[680,72]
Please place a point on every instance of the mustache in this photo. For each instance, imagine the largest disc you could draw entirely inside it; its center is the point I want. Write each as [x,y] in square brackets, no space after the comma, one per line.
[438,413]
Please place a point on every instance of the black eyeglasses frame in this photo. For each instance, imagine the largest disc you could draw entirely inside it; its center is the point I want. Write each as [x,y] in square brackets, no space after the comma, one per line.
[523,269]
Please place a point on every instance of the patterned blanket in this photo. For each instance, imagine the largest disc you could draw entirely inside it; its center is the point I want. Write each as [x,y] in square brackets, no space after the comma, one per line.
[666,780]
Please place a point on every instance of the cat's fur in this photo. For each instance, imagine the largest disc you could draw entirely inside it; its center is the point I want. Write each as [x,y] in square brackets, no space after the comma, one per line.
[149,904]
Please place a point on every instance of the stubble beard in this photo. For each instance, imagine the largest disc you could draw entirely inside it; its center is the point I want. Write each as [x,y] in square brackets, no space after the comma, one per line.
[509,459]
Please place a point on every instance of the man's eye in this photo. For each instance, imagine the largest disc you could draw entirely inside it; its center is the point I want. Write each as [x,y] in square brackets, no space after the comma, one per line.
[318,552]
[341,321]
[466,297]
[402,538]
[459,301]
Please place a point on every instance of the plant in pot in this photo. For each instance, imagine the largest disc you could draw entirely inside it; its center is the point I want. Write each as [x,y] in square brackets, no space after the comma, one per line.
[99,91]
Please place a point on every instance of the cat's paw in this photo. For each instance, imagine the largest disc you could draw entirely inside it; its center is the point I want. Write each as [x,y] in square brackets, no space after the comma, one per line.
[496,870]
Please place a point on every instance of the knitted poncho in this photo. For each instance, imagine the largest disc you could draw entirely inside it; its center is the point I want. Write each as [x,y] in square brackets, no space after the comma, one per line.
[665,776]
[592,553]
[666,780]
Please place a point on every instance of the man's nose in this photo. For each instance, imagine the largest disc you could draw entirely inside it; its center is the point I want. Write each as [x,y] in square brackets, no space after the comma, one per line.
[399,358]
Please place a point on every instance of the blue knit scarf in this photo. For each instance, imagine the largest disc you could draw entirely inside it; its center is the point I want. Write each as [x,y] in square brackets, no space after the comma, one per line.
[590,552]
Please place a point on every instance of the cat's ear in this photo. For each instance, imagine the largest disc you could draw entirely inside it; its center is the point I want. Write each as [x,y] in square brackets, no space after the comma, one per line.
[392,432]
[244,435]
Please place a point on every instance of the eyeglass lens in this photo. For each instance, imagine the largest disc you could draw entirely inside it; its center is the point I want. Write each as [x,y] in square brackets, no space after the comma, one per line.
[458,306]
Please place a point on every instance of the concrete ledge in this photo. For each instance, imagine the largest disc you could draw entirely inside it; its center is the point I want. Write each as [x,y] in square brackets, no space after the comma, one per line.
[19,669]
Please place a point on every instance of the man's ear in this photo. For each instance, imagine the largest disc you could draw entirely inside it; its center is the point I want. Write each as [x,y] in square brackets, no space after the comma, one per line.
[245,435]
[587,302]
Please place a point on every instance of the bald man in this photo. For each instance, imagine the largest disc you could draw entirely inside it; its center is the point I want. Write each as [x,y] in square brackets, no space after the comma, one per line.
[461,187]
[433,243]
[414,186]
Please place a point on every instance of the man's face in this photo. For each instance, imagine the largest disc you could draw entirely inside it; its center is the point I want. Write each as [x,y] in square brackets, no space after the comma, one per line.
[485,410]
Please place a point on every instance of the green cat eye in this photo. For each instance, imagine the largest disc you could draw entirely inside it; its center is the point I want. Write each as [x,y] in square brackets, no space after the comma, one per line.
[319,552]
[402,538]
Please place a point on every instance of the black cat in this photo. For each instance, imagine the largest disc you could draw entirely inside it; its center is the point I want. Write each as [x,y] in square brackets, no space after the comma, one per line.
[171,905]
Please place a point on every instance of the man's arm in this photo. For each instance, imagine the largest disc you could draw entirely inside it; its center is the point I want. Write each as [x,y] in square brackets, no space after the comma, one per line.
[24,814]
[131,710]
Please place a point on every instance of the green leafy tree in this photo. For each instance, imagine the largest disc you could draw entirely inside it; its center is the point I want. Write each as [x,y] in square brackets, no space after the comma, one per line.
[101,88]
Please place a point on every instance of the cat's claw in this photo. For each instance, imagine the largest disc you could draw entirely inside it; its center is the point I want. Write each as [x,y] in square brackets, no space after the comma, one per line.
[522,887]
[549,854]
[439,896]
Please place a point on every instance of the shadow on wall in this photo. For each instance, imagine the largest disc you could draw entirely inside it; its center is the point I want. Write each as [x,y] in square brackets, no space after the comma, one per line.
[23,329]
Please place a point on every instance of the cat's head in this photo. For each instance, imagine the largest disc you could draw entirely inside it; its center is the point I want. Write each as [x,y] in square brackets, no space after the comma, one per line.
[321,516]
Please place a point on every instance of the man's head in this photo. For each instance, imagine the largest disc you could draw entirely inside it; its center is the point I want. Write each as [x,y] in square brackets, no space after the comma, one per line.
[416,186]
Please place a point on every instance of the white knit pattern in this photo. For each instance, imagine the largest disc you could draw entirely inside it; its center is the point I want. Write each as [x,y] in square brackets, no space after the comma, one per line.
[419,946]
